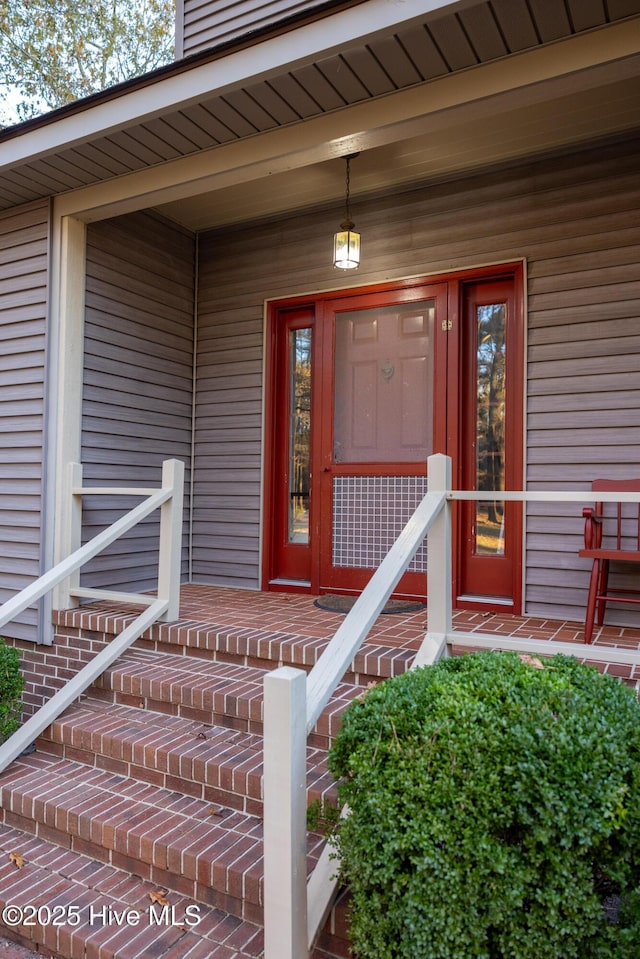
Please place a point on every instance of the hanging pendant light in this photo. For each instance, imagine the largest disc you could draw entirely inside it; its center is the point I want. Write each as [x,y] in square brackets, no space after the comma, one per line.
[346,242]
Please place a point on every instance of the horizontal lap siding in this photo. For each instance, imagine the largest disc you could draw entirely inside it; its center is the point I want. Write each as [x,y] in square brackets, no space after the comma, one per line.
[24,252]
[226,516]
[138,373]
[584,394]
[207,23]
[576,221]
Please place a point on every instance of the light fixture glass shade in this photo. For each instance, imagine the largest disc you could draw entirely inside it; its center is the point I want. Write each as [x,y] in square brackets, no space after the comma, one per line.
[346,247]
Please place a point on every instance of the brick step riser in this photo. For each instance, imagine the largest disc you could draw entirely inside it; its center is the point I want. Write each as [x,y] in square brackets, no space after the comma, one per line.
[237,891]
[216,795]
[62,882]
[225,785]
[238,714]
[333,938]
[366,668]
[332,941]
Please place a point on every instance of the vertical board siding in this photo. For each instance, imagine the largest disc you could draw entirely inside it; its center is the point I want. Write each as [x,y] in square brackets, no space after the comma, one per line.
[575,219]
[24,256]
[206,23]
[138,372]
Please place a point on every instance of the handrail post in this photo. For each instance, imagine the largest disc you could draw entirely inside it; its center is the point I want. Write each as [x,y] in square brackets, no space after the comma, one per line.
[439,587]
[285,831]
[72,536]
[170,549]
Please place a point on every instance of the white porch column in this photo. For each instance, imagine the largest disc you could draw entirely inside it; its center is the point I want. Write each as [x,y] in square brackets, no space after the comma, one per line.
[65,372]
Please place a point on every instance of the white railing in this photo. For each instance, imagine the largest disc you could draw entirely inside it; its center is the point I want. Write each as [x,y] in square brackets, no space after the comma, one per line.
[294,907]
[169,499]
[294,910]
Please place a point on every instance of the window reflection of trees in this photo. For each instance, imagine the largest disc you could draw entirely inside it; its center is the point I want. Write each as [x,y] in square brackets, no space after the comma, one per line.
[300,433]
[490,439]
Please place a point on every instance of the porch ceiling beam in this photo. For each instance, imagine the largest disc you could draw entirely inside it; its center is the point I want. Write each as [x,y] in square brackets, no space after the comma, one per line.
[182,84]
[536,76]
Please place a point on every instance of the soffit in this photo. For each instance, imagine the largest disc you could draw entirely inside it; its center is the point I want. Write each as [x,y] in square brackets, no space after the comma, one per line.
[454,145]
[464,36]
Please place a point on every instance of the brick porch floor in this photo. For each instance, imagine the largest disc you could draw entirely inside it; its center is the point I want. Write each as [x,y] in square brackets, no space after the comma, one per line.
[261,618]
[296,613]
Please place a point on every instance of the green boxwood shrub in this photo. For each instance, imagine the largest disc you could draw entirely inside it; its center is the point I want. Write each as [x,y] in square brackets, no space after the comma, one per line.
[11,686]
[495,812]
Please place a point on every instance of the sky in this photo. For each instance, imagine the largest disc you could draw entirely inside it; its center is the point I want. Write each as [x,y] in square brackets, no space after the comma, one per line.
[8,100]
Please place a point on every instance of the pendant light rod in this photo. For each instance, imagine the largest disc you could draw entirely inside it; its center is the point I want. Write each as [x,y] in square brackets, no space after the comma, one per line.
[349,158]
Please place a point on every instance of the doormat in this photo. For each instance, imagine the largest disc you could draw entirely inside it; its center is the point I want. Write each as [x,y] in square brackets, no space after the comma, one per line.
[335,603]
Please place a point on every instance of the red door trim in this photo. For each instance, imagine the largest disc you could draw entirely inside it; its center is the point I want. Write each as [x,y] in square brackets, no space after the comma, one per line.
[448,407]
[288,562]
[470,570]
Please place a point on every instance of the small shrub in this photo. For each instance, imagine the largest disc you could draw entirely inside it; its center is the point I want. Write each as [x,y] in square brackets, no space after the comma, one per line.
[494,812]
[11,686]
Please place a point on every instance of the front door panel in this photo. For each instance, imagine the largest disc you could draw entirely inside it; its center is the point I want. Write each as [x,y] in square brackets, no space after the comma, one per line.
[386,357]
[383,384]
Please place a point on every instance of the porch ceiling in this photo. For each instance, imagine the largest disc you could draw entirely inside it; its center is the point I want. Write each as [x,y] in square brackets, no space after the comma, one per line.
[357,80]
[465,139]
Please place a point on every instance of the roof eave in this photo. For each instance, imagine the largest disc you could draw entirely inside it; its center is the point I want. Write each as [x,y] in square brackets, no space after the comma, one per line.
[187,81]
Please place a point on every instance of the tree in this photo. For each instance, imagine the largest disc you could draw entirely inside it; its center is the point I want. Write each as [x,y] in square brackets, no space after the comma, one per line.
[55,51]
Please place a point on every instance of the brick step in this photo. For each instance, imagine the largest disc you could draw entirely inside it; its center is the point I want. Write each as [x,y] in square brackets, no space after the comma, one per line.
[205,691]
[208,853]
[118,919]
[246,646]
[212,763]
[269,649]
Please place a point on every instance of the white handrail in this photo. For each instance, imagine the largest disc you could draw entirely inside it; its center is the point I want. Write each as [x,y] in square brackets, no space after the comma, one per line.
[169,498]
[79,557]
[292,921]
[335,659]
[290,916]
[74,687]
[544,496]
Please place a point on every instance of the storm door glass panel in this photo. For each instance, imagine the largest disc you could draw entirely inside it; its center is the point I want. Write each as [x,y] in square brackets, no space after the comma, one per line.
[490,425]
[384,384]
[299,434]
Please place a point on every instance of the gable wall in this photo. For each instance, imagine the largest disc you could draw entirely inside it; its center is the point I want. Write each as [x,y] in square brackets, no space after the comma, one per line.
[24,258]
[138,372]
[576,221]
[205,23]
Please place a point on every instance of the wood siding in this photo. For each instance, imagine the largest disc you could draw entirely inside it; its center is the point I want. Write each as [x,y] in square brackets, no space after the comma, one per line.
[208,23]
[24,256]
[138,374]
[227,450]
[576,220]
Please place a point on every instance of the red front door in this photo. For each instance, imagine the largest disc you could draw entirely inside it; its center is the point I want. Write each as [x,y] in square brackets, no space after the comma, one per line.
[362,388]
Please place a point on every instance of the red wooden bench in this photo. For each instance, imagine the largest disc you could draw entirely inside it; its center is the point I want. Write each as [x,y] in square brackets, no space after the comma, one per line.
[611,532]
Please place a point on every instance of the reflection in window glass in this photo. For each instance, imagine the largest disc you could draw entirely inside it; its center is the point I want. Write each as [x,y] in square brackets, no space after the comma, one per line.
[490,439]
[299,434]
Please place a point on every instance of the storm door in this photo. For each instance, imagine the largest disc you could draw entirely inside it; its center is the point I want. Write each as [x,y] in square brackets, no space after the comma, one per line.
[385,363]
